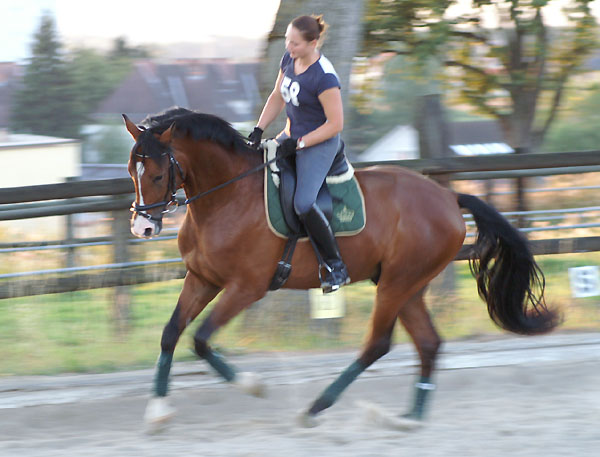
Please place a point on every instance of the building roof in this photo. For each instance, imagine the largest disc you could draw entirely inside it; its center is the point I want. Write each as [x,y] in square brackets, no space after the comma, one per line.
[219,87]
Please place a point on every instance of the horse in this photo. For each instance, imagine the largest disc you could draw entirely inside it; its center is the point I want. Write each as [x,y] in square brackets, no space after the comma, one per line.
[414,229]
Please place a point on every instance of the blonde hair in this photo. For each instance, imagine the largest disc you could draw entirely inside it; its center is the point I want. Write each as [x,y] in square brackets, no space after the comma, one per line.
[311,27]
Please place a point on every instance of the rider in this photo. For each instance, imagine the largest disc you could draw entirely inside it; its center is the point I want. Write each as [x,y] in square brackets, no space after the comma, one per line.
[309,88]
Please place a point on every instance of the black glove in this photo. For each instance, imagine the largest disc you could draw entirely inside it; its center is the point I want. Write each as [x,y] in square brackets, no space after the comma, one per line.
[255,137]
[287,147]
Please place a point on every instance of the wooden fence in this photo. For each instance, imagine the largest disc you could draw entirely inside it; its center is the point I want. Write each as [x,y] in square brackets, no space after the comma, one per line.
[116,195]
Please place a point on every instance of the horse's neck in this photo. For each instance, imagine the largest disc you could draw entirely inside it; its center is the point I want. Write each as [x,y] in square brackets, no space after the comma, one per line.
[210,165]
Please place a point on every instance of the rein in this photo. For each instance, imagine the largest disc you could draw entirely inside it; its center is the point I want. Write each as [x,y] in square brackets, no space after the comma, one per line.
[171,205]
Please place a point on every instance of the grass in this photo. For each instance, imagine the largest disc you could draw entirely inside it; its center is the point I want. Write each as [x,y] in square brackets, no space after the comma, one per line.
[76,332]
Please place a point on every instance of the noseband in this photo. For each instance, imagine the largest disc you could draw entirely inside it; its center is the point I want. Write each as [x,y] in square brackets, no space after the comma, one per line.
[169,205]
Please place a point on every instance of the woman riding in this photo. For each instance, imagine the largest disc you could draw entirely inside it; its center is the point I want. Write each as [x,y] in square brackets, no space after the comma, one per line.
[309,88]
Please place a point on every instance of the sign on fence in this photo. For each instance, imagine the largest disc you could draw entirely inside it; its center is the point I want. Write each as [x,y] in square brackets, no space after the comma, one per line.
[585,281]
[326,306]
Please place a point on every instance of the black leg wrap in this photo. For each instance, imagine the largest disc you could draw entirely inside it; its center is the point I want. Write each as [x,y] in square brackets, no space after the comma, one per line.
[168,341]
[204,351]
[423,388]
[332,393]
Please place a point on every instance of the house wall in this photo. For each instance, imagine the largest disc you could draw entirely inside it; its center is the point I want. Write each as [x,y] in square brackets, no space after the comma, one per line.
[35,164]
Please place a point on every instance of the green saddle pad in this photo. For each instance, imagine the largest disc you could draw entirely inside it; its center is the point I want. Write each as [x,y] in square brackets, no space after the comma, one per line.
[349,215]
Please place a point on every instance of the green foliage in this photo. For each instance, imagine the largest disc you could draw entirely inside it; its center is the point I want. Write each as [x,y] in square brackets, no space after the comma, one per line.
[577,129]
[60,90]
[45,104]
[110,144]
[514,70]
[381,103]
[121,50]
[95,76]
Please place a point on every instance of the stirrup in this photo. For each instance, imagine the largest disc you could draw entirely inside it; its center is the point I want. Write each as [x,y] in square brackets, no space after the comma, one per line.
[334,278]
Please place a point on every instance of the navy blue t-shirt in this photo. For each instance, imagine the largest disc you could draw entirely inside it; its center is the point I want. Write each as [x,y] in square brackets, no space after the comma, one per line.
[301,93]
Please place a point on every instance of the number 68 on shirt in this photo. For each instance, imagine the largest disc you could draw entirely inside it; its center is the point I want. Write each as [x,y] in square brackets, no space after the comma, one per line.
[290,90]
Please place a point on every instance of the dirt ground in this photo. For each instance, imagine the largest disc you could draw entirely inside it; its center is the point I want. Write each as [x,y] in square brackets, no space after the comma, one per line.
[505,397]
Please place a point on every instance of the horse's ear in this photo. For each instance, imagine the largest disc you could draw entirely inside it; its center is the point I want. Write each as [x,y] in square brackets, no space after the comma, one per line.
[132,128]
[165,137]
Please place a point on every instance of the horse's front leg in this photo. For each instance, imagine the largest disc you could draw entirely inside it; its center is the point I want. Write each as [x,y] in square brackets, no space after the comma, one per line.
[194,297]
[231,303]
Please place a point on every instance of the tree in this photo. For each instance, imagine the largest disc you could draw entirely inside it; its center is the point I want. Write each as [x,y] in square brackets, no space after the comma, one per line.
[121,49]
[576,129]
[503,59]
[60,90]
[94,76]
[45,103]
[382,99]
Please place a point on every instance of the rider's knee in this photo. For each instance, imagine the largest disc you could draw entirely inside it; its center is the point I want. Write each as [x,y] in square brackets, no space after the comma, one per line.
[302,207]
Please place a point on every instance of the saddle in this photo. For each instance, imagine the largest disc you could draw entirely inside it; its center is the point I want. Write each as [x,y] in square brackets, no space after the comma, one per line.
[283,174]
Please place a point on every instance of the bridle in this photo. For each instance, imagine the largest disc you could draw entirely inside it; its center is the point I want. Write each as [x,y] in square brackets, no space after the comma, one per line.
[169,204]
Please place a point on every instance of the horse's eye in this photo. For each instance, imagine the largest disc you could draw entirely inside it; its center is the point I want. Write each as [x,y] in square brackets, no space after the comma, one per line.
[158,179]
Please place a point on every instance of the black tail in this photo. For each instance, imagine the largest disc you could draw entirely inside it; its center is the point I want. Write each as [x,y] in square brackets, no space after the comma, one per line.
[513,284]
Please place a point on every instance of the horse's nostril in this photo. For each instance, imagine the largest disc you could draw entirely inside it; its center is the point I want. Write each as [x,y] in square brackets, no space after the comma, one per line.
[148,232]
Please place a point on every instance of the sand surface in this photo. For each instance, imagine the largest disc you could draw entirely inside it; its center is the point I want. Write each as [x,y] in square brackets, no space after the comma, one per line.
[506,397]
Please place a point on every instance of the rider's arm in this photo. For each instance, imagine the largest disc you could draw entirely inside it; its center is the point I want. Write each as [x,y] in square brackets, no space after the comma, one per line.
[331,100]
[273,106]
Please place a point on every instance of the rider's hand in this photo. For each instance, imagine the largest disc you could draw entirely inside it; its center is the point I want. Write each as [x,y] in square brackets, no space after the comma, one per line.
[255,137]
[288,146]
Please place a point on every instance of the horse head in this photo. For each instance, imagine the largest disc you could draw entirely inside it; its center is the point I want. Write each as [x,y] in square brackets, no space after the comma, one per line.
[156,175]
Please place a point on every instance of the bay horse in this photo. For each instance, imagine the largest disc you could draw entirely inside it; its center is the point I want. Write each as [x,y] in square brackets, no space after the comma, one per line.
[414,228]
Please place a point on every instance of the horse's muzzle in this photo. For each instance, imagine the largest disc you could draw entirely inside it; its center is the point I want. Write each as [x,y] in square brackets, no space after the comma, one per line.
[143,227]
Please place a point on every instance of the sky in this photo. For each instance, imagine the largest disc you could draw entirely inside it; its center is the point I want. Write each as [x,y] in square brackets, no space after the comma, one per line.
[148,21]
[90,22]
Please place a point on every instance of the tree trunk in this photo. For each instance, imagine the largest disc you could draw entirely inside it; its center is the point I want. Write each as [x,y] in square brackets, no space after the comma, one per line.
[434,142]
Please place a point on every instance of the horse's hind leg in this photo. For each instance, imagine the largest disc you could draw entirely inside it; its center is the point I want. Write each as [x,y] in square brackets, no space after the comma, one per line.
[378,344]
[415,318]
[194,297]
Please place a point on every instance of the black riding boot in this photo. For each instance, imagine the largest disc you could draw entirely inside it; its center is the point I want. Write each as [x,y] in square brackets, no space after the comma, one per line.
[323,239]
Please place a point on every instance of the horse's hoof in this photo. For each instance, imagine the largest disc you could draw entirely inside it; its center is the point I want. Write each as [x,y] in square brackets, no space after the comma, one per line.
[377,415]
[158,413]
[250,383]
[406,423]
[307,420]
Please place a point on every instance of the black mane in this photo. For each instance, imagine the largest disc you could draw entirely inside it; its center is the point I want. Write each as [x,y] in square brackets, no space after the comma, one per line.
[199,126]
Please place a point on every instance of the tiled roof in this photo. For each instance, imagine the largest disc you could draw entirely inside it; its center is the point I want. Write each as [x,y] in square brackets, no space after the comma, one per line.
[223,88]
